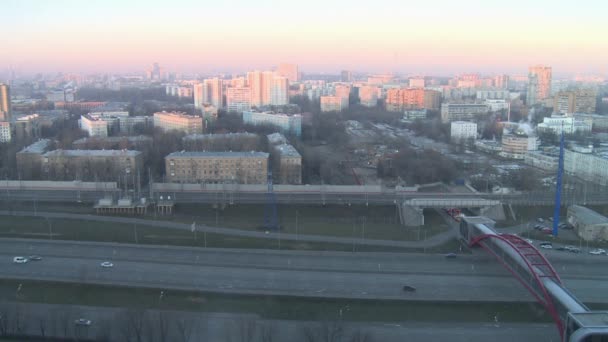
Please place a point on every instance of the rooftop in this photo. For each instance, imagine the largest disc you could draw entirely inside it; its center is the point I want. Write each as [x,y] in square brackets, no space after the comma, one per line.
[218,136]
[192,154]
[39,146]
[92,153]
[287,150]
[137,138]
[587,216]
[276,138]
[180,114]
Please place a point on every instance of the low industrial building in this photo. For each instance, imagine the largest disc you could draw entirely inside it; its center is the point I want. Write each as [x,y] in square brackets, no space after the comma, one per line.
[588,224]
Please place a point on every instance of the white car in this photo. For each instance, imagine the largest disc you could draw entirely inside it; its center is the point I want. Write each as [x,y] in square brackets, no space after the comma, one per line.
[107,264]
[598,251]
[83,321]
[20,260]
[546,246]
[529,241]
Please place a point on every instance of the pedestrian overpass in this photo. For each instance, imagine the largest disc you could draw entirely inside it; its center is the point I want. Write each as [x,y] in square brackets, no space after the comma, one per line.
[574,321]
[411,210]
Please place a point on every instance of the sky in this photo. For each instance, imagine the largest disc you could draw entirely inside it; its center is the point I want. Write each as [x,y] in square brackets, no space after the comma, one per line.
[425,37]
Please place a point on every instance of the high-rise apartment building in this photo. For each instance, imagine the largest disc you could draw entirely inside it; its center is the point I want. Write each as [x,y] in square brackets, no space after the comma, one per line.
[190,124]
[238,99]
[398,100]
[268,88]
[343,91]
[213,92]
[217,167]
[539,84]
[290,71]
[279,91]
[575,101]
[198,92]
[333,103]
[346,76]
[501,81]
[417,82]
[5,102]
[368,96]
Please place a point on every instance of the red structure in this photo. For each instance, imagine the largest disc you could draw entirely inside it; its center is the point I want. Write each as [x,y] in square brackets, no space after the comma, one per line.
[537,265]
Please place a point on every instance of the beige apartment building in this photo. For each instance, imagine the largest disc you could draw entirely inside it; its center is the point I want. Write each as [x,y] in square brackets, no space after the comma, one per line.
[217,167]
[189,124]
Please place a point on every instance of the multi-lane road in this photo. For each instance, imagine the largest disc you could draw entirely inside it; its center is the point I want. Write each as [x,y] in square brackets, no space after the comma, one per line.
[315,274]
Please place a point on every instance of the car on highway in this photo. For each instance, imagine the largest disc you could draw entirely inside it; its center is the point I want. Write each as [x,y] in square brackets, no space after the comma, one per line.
[106,264]
[35,258]
[561,248]
[451,255]
[529,241]
[19,260]
[598,251]
[544,243]
[83,322]
[546,246]
[408,288]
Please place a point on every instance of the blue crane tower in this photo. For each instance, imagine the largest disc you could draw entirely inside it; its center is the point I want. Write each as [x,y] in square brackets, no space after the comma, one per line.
[558,185]
[271,221]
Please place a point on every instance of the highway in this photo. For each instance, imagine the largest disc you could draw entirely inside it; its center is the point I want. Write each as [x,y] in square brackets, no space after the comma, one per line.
[474,277]
[387,197]
[116,324]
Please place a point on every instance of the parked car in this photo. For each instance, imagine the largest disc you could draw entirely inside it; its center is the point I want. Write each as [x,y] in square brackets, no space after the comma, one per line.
[540,219]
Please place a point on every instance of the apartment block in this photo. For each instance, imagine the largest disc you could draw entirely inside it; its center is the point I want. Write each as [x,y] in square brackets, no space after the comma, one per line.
[217,167]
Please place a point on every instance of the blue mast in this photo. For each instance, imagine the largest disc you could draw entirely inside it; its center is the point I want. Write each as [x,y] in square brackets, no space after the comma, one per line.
[558,186]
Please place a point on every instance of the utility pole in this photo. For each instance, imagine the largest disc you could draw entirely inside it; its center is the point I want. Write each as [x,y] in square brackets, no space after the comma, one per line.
[558,185]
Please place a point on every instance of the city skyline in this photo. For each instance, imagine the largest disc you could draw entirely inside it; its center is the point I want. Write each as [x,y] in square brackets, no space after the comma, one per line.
[237,36]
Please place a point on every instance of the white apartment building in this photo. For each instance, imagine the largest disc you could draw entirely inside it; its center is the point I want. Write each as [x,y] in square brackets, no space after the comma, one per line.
[190,124]
[566,124]
[541,160]
[333,103]
[463,131]
[93,125]
[287,123]
[493,94]
[585,163]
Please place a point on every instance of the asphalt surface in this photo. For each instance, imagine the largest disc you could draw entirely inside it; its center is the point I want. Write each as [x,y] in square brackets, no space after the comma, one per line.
[474,277]
[116,324]
[433,241]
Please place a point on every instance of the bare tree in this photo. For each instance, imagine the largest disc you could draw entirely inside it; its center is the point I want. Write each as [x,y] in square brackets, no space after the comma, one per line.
[184,328]
[267,332]
[42,325]
[133,324]
[361,336]
[326,331]
[104,333]
[4,319]
[242,330]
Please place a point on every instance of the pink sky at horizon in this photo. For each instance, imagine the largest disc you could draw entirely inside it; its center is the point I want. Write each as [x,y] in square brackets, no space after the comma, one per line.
[237,37]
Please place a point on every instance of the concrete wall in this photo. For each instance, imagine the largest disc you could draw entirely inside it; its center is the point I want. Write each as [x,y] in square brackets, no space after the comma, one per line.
[347,189]
[51,185]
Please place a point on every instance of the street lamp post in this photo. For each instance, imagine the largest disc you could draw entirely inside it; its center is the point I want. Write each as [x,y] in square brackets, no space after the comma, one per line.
[48,222]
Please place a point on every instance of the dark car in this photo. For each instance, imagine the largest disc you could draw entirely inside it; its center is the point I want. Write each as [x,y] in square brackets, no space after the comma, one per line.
[407,288]
[561,248]
[451,255]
